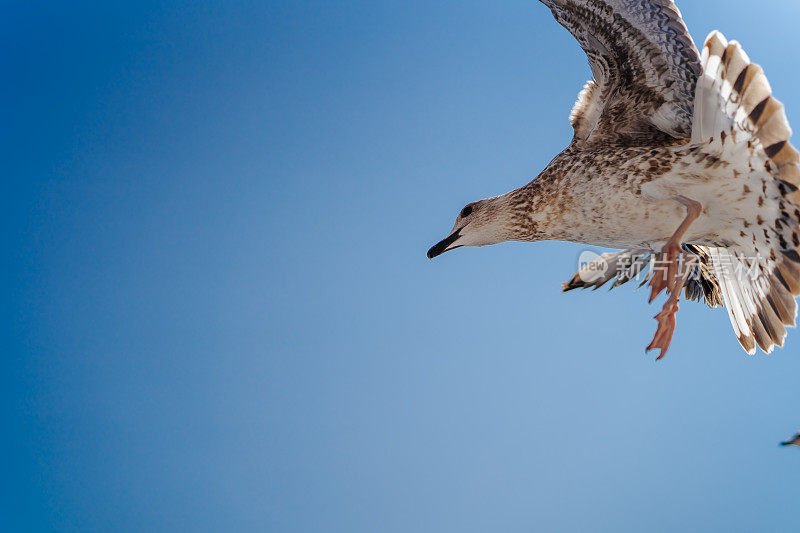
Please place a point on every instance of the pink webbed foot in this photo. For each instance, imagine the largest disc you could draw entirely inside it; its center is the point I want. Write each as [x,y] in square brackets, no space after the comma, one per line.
[671,273]
[678,272]
[666,328]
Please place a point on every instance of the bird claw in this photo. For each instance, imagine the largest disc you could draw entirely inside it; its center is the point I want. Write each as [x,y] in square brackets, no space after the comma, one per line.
[666,329]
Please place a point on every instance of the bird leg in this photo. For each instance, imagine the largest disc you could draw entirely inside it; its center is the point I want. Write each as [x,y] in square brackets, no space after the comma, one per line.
[662,278]
[666,318]
[673,278]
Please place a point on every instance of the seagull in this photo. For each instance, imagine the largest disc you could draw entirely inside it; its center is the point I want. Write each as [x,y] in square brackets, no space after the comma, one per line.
[680,160]
[794,441]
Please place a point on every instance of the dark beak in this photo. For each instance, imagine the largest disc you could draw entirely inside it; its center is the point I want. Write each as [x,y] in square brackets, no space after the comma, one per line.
[444,246]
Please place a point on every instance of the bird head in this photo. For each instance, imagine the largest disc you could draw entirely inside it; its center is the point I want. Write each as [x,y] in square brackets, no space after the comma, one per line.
[795,441]
[479,224]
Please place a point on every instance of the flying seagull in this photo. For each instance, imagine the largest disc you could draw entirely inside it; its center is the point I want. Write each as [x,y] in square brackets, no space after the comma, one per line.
[794,441]
[679,159]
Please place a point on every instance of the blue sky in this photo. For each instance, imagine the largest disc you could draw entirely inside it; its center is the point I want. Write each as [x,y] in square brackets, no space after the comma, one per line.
[220,315]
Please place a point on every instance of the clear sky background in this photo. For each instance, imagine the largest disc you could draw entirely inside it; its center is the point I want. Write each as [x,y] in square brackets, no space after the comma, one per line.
[220,317]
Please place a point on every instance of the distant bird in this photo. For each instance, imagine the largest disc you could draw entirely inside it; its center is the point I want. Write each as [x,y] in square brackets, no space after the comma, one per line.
[680,160]
[794,441]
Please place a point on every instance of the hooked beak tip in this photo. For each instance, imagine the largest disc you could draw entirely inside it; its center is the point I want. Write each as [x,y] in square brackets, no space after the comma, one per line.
[444,246]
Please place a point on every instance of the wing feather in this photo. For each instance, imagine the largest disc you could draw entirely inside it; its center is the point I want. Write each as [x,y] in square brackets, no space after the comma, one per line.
[645,68]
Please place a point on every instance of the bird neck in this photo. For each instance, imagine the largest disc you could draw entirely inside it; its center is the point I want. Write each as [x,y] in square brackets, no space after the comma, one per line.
[528,214]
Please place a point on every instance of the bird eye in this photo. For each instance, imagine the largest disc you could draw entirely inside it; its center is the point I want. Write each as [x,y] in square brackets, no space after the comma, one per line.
[466,211]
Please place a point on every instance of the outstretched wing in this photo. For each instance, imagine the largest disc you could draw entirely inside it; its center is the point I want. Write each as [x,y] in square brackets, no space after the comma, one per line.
[702,285]
[645,68]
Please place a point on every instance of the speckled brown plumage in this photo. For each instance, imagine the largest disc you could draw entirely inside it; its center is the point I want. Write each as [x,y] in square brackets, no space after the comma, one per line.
[660,132]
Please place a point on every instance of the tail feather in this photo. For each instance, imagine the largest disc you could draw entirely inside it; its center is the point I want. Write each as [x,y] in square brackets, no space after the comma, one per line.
[782,302]
[759,305]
